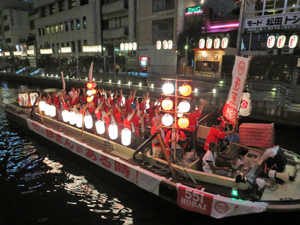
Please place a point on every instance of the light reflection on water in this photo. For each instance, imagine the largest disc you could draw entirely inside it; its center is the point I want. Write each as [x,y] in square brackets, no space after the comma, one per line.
[28,171]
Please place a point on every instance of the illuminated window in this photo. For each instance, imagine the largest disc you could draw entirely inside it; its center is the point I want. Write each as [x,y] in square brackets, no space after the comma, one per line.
[56,29]
[52,30]
[71,3]
[78,24]
[84,21]
[47,30]
[61,28]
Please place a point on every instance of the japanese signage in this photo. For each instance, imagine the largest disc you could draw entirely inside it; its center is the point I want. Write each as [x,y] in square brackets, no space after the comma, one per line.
[239,75]
[273,21]
[246,108]
[271,41]
[215,205]
[142,178]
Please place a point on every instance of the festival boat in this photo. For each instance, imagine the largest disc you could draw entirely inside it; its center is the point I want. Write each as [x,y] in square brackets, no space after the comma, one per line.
[266,180]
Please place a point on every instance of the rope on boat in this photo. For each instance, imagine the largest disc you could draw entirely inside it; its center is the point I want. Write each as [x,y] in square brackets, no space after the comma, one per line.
[272,184]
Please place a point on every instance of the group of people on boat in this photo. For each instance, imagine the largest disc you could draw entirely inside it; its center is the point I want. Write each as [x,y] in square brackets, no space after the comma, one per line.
[139,114]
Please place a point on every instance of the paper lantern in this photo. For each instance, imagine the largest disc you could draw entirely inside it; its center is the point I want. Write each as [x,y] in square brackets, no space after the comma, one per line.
[168,88]
[100,127]
[167,120]
[134,46]
[158,45]
[184,106]
[33,97]
[167,104]
[42,105]
[94,85]
[183,122]
[113,131]
[72,118]
[52,111]
[94,91]
[89,92]
[65,116]
[47,109]
[185,90]
[123,101]
[78,120]
[122,46]
[89,85]
[126,136]
[88,121]
[89,99]
[23,99]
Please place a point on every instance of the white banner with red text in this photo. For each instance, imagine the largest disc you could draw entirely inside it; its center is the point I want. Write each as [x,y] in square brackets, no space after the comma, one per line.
[139,176]
[214,205]
[239,75]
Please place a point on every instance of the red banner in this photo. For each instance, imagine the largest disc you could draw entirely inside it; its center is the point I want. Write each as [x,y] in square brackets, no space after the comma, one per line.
[194,200]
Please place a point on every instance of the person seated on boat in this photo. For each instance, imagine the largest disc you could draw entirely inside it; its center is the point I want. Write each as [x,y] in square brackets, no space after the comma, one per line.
[76,108]
[156,146]
[172,138]
[156,114]
[215,134]
[208,162]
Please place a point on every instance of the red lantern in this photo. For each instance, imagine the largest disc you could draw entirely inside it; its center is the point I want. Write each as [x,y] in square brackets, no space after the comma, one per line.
[89,85]
[183,122]
[185,90]
[94,85]
[89,99]
[94,91]
[167,104]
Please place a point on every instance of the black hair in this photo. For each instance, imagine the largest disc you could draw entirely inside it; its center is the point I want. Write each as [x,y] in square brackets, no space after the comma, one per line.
[212,144]
[155,107]
[218,122]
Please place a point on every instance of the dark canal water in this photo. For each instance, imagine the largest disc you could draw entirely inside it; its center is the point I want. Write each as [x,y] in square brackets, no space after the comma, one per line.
[40,183]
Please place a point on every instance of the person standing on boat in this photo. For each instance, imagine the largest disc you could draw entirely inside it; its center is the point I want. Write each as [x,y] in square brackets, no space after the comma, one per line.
[208,162]
[215,134]
[194,115]
[225,122]
[157,127]
[109,118]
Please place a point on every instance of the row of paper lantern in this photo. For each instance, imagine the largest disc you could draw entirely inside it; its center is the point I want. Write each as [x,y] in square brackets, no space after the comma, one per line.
[168,89]
[281,41]
[128,46]
[209,43]
[23,98]
[166,44]
[76,119]
[49,110]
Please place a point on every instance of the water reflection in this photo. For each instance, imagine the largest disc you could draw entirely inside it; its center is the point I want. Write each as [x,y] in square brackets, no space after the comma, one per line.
[27,171]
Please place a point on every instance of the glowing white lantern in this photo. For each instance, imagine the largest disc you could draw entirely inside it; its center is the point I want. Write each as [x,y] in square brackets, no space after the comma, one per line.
[126,46]
[23,99]
[293,41]
[201,43]
[147,104]
[52,111]
[134,46]
[72,118]
[65,116]
[208,43]
[224,43]
[113,131]
[217,43]
[123,101]
[158,45]
[89,92]
[126,137]
[47,109]
[271,41]
[184,106]
[245,109]
[122,46]
[100,127]
[179,115]
[281,41]
[168,88]
[167,120]
[165,44]
[79,120]
[88,121]
[33,97]
[170,44]
[130,46]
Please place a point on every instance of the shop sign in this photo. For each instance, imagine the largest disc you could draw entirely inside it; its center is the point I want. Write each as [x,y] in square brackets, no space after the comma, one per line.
[201,43]
[217,42]
[208,43]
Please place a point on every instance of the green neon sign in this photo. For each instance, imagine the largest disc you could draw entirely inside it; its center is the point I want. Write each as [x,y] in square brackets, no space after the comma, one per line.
[193,10]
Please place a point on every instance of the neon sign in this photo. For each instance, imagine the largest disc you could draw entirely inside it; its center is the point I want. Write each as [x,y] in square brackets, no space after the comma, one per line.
[193,10]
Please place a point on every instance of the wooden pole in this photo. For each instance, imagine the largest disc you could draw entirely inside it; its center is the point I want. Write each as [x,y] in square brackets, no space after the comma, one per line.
[167,156]
[176,103]
[82,128]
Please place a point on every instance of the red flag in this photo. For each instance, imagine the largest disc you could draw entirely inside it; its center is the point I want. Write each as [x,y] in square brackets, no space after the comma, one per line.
[91,72]
[63,80]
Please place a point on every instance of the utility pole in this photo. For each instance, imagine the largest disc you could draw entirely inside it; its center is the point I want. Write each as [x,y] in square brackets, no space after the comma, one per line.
[115,72]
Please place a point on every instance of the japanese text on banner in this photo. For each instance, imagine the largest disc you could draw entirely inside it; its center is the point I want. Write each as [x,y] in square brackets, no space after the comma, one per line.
[239,75]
